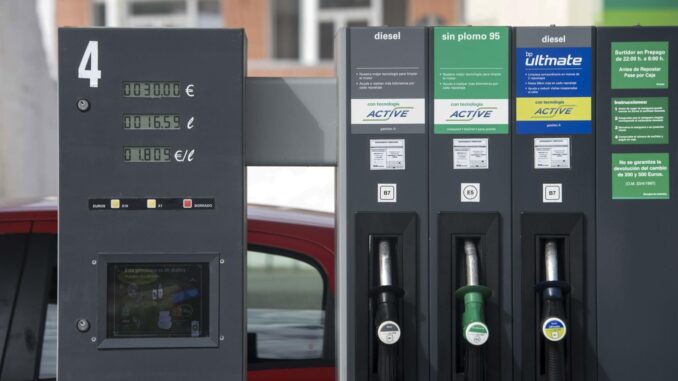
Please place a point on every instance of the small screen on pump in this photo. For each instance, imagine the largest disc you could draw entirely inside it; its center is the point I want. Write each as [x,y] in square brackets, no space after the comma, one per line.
[156,300]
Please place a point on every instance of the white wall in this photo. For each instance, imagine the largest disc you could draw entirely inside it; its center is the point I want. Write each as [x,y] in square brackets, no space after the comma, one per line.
[28,106]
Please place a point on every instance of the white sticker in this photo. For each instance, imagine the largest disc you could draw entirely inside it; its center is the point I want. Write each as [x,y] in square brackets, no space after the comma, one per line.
[551,153]
[554,329]
[471,111]
[470,154]
[470,192]
[388,111]
[387,154]
[477,333]
[388,332]
[387,192]
[552,193]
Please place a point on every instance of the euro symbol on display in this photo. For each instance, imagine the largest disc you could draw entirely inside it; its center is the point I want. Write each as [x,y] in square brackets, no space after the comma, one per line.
[189,90]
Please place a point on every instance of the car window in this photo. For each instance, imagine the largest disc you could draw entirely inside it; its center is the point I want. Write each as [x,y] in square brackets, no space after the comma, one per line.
[285,307]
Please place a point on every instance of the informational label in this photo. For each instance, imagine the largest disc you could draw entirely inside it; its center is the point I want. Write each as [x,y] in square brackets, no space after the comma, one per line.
[640,120]
[388,89]
[387,192]
[387,154]
[470,192]
[554,329]
[552,193]
[471,80]
[477,333]
[470,153]
[640,65]
[640,176]
[551,153]
[553,81]
[388,332]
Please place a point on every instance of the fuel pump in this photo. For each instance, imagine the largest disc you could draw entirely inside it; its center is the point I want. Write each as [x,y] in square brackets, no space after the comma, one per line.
[469,201]
[151,205]
[474,329]
[554,206]
[553,326]
[382,214]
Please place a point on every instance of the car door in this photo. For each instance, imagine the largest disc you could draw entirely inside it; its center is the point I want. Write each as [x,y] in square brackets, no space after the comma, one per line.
[28,277]
[290,303]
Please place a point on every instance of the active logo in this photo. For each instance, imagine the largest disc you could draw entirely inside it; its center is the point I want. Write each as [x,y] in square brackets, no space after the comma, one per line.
[383,115]
[388,111]
[470,114]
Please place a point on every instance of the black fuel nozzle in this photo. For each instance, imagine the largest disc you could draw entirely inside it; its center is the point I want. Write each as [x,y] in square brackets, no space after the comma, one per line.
[553,325]
[474,329]
[386,319]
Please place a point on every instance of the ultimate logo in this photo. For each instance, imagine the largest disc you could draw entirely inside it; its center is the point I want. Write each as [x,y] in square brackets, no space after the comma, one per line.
[471,114]
[381,115]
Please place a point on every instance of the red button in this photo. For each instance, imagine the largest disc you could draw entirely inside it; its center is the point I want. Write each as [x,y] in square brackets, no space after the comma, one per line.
[188,203]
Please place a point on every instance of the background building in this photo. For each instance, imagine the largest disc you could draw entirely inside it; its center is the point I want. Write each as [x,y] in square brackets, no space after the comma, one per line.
[285,37]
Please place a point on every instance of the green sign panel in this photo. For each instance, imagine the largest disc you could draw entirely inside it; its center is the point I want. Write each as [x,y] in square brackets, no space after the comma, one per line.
[640,120]
[640,176]
[640,65]
[471,80]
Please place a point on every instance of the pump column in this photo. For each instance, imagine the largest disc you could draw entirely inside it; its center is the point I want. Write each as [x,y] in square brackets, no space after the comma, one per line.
[554,204]
[382,208]
[470,203]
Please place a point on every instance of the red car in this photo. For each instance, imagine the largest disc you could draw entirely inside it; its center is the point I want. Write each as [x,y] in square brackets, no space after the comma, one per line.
[290,293]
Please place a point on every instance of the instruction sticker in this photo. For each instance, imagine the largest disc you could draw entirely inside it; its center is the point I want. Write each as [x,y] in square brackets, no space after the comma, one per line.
[554,329]
[470,154]
[551,153]
[640,65]
[640,120]
[640,176]
[471,80]
[387,154]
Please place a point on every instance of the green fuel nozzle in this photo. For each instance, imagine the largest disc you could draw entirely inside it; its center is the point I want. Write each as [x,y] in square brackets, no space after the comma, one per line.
[475,331]
[473,319]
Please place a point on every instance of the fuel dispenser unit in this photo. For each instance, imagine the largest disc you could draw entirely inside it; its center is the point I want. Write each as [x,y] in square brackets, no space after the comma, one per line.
[152,205]
[381,204]
[554,205]
[637,147]
[470,204]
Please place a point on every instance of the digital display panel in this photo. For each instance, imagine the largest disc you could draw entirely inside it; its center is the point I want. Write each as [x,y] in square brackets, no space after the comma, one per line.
[151,122]
[151,89]
[147,154]
[152,300]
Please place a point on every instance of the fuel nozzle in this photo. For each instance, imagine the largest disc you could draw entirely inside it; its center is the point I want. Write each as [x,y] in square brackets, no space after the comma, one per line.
[553,325]
[475,331]
[386,297]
